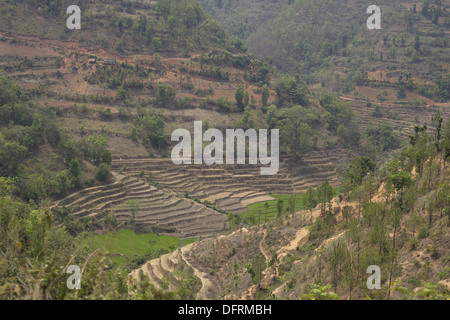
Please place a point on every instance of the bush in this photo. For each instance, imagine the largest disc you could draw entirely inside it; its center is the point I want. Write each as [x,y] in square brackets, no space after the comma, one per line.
[423,233]
[103,172]
[413,244]
[401,93]
[434,253]
[165,93]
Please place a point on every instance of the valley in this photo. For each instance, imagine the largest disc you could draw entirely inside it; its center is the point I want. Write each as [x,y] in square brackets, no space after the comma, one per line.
[88,176]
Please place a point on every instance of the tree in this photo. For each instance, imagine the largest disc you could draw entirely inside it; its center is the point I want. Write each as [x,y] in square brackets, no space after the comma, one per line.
[346,214]
[165,93]
[247,119]
[359,168]
[75,171]
[265,95]
[239,96]
[95,149]
[272,116]
[280,205]
[157,44]
[414,221]
[351,273]
[142,24]
[6,186]
[442,198]
[445,144]
[448,211]
[292,204]
[266,211]
[318,292]
[103,172]
[396,223]
[437,121]
[325,194]
[134,207]
[419,132]
[417,43]
[336,261]
[370,186]
[295,128]
[428,291]
[360,195]
[63,183]
[382,136]
[256,268]
[354,234]
[246,98]
[290,90]
[310,200]
[120,25]
[401,180]
[12,154]
[153,125]
[378,234]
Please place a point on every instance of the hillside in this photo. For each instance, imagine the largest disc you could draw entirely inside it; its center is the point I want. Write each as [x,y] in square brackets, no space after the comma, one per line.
[396,218]
[86,118]
[128,111]
[126,27]
[327,42]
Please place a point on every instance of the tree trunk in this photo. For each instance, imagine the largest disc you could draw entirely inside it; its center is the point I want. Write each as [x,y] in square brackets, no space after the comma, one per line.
[390,279]
[295,143]
[430,218]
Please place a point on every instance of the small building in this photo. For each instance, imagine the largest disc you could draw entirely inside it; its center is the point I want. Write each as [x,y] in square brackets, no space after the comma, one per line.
[92,60]
[109,61]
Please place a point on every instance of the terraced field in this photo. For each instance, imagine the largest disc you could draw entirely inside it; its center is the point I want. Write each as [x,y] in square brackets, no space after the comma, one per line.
[159,268]
[232,188]
[195,257]
[124,245]
[134,201]
[162,272]
[402,116]
[154,195]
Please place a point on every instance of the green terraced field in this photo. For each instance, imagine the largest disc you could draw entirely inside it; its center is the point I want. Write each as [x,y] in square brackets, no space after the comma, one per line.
[123,245]
[258,209]
[260,214]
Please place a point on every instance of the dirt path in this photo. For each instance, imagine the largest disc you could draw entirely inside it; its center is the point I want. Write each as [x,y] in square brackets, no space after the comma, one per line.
[263,250]
[208,290]
[327,241]
[300,238]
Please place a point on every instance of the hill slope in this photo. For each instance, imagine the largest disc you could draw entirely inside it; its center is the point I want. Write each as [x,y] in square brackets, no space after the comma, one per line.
[397,219]
[85,144]
[325,40]
[144,27]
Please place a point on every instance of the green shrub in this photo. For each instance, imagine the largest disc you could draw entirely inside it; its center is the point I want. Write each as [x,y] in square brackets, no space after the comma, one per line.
[103,172]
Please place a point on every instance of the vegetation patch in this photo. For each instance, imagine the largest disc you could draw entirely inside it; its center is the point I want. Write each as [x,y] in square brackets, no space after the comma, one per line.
[125,246]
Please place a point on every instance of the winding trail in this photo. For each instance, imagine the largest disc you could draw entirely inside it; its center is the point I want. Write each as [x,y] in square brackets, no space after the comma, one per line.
[208,290]
[263,250]
[301,238]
